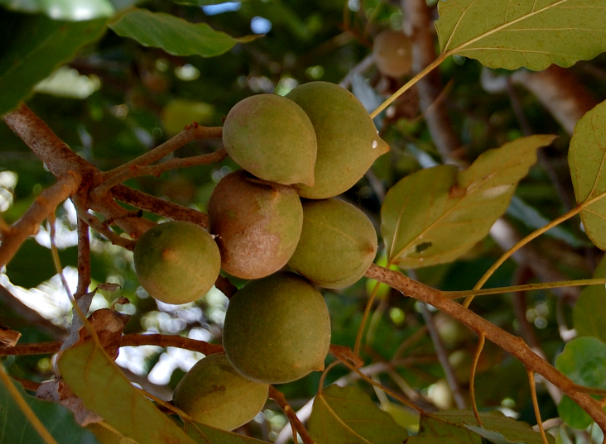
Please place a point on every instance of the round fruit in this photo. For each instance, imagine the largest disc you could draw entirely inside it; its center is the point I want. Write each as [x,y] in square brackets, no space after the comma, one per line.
[277,329]
[392,52]
[215,394]
[272,138]
[348,142]
[337,245]
[257,224]
[177,262]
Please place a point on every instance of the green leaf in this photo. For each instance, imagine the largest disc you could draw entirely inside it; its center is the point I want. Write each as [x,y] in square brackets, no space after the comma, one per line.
[98,381]
[345,415]
[203,434]
[572,414]
[174,35]
[586,159]
[589,313]
[435,215]
[75,10]
[462,427]
[525,33]
[59,421]
[40,47]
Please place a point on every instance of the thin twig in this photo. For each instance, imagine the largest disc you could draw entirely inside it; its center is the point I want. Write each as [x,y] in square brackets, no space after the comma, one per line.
[84,277]
[535,404]
[294,420]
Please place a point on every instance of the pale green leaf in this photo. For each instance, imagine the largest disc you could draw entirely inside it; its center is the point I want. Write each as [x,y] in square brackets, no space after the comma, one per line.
[435,215]
[345,415]
[75,10]
[525,33]
[174,35]
[98,381]
[15,428]
[587,161]
[589,313]
[37,51]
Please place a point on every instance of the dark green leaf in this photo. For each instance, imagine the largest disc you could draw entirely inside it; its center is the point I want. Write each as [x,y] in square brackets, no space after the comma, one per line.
[174,35]
[15,428]
[345,415]
[589,313]
[505,34]
[41,46]
[572,414]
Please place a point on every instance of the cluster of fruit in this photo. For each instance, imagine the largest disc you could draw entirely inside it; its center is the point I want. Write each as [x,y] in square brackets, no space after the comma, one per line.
[315,143]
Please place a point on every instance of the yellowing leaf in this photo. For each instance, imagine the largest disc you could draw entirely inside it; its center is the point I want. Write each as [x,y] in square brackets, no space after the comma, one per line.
[435,215]
[345,415]
[586,159]
[529,33]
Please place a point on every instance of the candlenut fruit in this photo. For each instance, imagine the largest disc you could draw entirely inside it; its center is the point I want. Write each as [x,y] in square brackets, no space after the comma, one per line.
[392,52]
[277,329]
[177,262]
[257,224]
[214,393]
[337,245]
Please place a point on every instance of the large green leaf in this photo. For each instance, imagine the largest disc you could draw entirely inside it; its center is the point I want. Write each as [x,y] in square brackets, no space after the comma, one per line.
[98,381]
[345,415]
[15,428]
[525,33]
[435,215]
[63,9]
[586,159]
[174,35]
[41,46]
[461,426]
[203,434]
[589,313]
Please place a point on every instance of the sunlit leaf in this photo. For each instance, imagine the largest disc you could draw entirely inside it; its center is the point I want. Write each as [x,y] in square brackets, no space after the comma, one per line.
[525,33]
[345,415]
[42,45]
[98,381]
[174,35]
[589,313]
[63,9]
[586,159]
[437,214]
[15,428]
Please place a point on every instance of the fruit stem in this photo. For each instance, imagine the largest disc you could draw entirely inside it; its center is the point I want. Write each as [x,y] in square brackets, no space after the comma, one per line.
[525,287]
[535,404]
[410,84]
[373,294]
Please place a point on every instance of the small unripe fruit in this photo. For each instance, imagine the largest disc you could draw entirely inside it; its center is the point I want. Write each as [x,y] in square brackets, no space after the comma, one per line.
[272,138]
[337,245]
[392,51]
[215,394]
[348,142]
[277,329]
[177,262]
[257,224]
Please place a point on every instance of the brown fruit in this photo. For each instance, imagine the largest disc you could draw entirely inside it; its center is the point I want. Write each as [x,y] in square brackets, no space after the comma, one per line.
[392,52]
[272,138]
[337,245]
[177,262]
[348,142]
[215,394]
[277,329]
[257,223]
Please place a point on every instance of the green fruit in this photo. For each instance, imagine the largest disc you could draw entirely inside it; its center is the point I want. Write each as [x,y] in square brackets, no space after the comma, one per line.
[257,224]
[177,262]
[277,329]
[215,394]
[348,142]
[392,51]
[337,245]
[272,138]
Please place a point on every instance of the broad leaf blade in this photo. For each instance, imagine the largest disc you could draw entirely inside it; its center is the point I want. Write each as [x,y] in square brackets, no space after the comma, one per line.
[525,33]
[97,380]
[37,51]
[587,162]
[345,415]
[203,434]
[174,35]
[435,215]
[59,421]
[589,313]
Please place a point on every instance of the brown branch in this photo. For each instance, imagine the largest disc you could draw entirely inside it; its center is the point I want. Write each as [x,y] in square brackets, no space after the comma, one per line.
[29,223]
[158,206]
[171,341]
[84,277]
[512,344]
[294,420]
